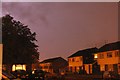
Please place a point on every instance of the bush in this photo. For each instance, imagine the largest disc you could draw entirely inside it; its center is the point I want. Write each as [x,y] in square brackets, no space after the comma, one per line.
[82,72]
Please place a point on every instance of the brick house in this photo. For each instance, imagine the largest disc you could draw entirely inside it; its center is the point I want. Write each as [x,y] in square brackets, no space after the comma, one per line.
[54,65]
[82,60]
[108,57]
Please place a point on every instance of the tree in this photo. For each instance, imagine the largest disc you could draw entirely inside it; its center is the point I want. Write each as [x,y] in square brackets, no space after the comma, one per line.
[18,42]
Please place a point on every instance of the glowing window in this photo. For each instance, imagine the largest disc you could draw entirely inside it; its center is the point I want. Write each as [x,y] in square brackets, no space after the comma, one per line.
[18,67]
[95,56]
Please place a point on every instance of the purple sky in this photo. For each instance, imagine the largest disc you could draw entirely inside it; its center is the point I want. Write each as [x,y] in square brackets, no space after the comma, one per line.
[64,28]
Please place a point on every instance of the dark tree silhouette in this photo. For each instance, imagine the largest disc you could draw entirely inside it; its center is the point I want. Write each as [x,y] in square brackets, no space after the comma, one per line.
[18,42]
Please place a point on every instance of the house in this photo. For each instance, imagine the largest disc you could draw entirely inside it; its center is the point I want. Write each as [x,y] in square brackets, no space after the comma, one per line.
[1,49]
[54,65]
[35,66]
[108,57]
[82,60]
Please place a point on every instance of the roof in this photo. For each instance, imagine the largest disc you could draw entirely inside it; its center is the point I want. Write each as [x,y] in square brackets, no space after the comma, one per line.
[89,61]
[84,52]
[50,60]
[110,47]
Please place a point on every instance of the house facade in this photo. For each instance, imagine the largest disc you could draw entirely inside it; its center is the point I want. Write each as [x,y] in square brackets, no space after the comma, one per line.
[82,60]
[108,57]
[1,51]
[54,65]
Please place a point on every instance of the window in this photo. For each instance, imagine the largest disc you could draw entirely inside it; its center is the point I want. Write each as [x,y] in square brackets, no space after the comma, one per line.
[73,60]
[109,54]
[45,67]
[110,67]
[69,60]
[106,67]
[18,67]
[117,53]
[102,68]
[101,56]
[81,58]
[95,56]
[77,59]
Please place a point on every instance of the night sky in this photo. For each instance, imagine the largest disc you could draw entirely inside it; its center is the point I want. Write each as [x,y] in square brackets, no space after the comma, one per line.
[64,28]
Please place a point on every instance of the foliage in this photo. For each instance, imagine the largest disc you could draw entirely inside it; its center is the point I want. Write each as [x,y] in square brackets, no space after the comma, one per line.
[82,71]
[18,42]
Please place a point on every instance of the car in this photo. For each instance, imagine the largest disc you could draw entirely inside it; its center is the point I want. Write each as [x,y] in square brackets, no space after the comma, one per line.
[19,73]
[111,75]
[37,75]
[106,75]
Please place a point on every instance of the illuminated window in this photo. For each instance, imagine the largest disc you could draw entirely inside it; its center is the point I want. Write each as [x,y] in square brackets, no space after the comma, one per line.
[13,68]
[95,56]
[109,54]
[18,67]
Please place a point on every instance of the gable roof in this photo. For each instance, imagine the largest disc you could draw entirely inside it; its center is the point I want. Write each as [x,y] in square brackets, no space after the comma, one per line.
[110,47]
[84,52]
[50,60]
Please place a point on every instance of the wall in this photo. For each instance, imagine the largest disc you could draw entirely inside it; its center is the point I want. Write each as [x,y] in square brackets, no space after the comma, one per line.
[78,62]
[1,61]
[105,60]
[111,63]
[48,67]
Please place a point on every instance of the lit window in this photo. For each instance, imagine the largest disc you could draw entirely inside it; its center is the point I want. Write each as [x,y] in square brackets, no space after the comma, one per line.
[109,54]
[18,67]
[95,56]
[13,68]
[24,67]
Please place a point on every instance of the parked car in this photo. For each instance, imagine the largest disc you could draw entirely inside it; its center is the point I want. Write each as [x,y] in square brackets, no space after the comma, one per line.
[37,75]
[111,75]
[19,73]
[106,75]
